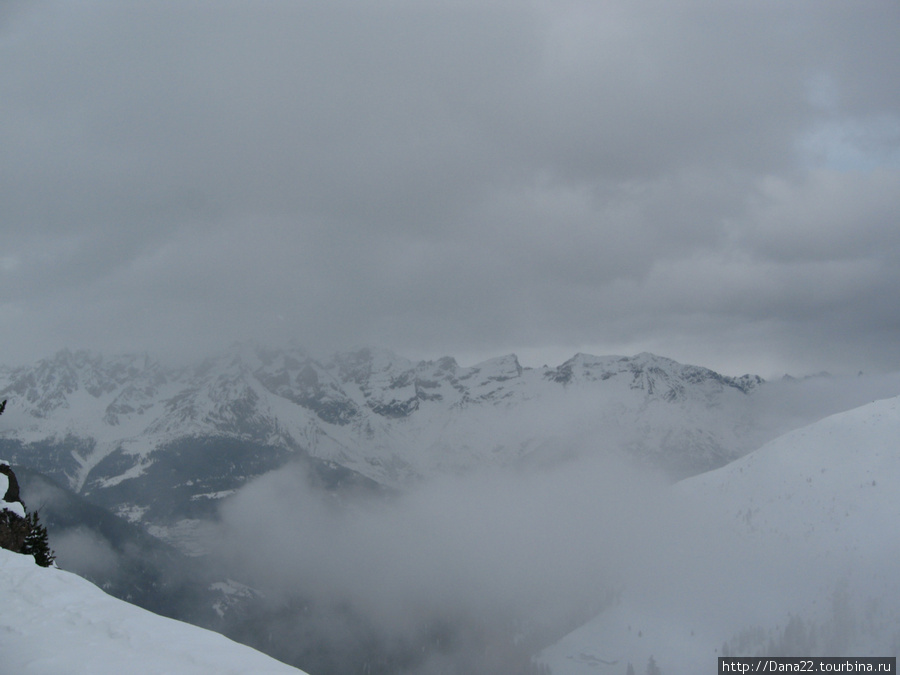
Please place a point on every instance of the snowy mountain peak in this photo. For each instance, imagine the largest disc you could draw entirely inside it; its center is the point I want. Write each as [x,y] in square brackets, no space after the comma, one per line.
[499,369]
[658,376]
[365,364]
[49,385]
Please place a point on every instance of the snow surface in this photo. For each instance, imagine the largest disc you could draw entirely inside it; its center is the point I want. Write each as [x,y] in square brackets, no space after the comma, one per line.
[803,529]
[54,622]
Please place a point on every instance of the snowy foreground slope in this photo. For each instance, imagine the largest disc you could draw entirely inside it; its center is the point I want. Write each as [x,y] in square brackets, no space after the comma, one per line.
[790,550]
[54,622]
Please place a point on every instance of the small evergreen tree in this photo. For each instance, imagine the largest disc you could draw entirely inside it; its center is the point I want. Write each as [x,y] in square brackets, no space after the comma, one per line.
[36,541]
[13,530]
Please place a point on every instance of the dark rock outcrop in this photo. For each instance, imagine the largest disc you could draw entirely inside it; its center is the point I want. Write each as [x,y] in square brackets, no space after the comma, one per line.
[12,491]
[13,525]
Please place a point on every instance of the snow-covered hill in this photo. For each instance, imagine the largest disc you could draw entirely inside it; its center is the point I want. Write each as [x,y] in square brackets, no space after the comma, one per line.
[125,430]
[790,550]
[54,622]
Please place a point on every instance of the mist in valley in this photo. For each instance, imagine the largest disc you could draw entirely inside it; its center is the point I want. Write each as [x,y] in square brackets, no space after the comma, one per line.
[480,571]
[463,574]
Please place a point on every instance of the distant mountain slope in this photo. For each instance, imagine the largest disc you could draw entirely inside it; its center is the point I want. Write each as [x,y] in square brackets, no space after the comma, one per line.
[55,622]
[832,482]
[790,550]
[126,430]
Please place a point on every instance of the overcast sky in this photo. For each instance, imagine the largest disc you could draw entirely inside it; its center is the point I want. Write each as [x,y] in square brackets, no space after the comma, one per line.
[717,182]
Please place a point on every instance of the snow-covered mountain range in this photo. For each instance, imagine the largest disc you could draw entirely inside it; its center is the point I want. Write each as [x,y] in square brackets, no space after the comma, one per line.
[125,430]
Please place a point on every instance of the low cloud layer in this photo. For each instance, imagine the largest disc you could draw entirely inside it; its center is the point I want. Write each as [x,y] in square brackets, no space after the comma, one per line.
[85,553]
[714,184]
[458,570]
[533,552]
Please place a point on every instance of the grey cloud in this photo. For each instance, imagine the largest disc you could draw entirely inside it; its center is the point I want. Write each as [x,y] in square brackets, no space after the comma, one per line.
[826,216]
[455,178]
[483,547]
[85,552]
